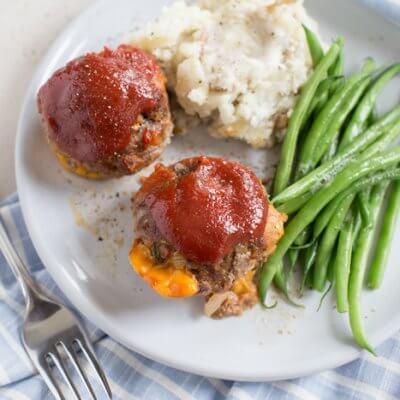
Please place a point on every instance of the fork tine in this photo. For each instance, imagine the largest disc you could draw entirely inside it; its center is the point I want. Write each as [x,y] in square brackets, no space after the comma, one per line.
[56,358]
[88,351]
[45,372]
[74,361]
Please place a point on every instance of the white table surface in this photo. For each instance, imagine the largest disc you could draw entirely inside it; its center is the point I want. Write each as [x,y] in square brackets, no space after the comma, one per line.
[27,28]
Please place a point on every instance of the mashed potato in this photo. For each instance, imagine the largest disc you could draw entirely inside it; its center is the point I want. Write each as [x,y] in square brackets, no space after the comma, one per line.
[235,64]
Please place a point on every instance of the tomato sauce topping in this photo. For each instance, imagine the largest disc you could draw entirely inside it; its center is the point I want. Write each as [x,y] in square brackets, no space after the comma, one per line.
[91,104]
[206,212]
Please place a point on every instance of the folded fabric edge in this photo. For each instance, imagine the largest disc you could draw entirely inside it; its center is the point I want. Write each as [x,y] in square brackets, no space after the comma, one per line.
[11,199]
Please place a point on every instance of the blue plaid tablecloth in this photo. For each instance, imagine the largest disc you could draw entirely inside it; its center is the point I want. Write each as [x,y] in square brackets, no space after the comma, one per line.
[134,377]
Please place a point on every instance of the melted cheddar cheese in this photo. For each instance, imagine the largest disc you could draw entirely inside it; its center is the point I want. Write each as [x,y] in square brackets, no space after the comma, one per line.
[78,170]
[168,281]
[245,284]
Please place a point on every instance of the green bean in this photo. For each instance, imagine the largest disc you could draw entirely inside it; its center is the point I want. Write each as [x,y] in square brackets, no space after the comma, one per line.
[323,297]
[314,45]
[333,148]
[267,274]
[299,244]
[362,184]
[377,270]
[323,121]
[368,66]
[280,280]
[326,88]
[337,120]
[303,237]
[359,266]
[366,106]
[331,151]
[285,165]
[321,96]
[342,265]
[309,256]
[325,216]
[362,201]
[318,177]
[331,273]
[383,143]
[391,175]
[328,242]
[302,247]
[336,85]
[309,279]
[371,119]
[293,205]
[358,220]
[281,283]
[352,173]
[337,68]
[292,255]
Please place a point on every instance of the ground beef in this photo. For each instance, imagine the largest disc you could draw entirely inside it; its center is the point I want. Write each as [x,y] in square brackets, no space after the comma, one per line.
[217,278]
[236,305]
[135,156]
[107,114]
[212,278]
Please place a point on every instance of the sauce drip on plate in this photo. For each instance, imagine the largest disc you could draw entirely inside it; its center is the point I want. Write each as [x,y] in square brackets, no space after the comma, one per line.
[91,103]
[212,207]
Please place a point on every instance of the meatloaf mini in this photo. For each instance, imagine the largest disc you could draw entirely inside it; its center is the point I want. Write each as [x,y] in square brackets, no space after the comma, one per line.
[203,226]
[106,114]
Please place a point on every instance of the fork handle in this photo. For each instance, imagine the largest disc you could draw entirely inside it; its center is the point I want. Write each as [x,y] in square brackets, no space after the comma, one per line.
[29,288]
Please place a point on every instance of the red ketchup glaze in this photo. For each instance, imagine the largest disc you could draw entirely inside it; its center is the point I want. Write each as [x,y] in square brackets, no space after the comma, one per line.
[91,104]
[209,211]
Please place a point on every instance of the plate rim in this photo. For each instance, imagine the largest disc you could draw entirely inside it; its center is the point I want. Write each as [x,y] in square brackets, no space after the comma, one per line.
[84,306]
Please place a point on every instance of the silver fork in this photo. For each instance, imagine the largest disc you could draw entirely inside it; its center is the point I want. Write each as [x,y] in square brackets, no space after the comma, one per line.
[52,335]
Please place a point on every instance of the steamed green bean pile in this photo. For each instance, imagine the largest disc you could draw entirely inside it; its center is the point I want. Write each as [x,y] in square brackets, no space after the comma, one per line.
[339,171]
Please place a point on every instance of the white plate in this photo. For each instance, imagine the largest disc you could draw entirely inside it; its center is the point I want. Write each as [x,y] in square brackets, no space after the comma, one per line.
[262,345]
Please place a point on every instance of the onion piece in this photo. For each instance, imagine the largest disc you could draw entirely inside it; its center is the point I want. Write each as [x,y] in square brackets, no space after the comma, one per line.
[216,300]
